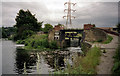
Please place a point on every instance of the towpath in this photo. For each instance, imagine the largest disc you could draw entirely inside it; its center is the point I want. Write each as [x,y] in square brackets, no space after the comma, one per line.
[106,59]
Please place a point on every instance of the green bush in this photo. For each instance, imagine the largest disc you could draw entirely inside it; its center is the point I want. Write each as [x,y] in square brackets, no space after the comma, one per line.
[53,45]
[37,42]
[109,39]
[20,42]
[27,33]
[116,67]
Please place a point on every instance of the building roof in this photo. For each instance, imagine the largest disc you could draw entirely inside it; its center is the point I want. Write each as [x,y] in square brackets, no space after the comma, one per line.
[58,27]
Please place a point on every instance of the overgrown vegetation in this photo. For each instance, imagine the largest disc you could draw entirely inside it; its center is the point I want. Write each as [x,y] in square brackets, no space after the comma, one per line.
[109,39]
[38,42]
[118,28]
[7,32]
[47,28]
[116,67]
[85,47]
[86,64]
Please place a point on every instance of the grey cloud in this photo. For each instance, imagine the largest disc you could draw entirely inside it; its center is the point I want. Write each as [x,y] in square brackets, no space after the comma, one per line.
[99,13]
[10,10]
[0,14]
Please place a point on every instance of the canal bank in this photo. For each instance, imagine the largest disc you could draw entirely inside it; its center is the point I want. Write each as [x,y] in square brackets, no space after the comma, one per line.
[28,62]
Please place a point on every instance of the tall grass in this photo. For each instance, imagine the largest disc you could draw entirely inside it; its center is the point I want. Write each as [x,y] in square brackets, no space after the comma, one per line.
[116,67]
[86,64]
[109,39]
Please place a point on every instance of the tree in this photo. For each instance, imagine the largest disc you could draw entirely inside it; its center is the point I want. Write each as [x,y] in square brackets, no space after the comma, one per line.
[4,34]
[60,24]
[0,32]
[118,28]
[8,31]
[26,21]
[47,28]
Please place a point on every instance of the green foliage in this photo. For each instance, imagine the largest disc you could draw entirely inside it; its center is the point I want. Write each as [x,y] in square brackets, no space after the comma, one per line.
[118,28]
[85,47]
[26,24]
[86,64]
[60,24]
[38,42]
[117,56]
[116,67]
[109,39]
[47,28]
[53,45]
[4,35]
[20,42]
[27,33]
[91,60]
[7,31]
[0,33]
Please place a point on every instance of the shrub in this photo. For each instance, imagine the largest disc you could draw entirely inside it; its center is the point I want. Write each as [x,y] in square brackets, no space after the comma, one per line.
[20,42]
[26,34]
[116,67]
[36,42]
[109,39]
[53,45]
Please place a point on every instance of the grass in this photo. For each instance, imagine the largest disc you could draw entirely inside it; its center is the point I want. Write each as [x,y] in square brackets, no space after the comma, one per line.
[116,67]
[86,64]
[109,39]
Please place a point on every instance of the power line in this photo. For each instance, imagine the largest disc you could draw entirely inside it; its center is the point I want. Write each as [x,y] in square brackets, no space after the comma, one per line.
[69,11]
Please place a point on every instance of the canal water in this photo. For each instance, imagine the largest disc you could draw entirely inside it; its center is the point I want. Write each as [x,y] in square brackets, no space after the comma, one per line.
[16,61]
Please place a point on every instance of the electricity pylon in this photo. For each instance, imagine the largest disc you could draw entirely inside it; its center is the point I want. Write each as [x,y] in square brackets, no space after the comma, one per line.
[69,11]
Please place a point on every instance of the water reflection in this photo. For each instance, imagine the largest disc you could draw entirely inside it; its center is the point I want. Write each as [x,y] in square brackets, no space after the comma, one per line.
[46,62]
[18,61]
[38,63]
[24,61]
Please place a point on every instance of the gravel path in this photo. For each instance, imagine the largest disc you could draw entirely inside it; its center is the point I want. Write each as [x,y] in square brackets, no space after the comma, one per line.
[106,59]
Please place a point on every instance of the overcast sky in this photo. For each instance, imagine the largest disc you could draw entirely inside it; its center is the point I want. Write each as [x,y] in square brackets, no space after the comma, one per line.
[102,14]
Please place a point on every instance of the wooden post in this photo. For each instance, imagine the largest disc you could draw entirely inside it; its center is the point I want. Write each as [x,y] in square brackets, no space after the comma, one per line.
[79,42]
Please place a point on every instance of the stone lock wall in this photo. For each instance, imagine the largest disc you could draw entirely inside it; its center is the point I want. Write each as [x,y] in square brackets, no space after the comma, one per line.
[51,35]
[95,34]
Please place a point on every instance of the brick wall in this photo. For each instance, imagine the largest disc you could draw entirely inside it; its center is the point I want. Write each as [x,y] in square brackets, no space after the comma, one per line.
[88,26]
[57,28]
